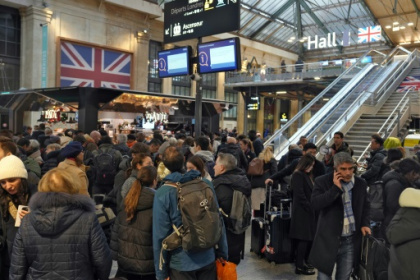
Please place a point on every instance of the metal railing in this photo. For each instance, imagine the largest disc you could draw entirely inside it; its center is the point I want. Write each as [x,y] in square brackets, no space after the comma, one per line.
[287,72]
[393,119]
[280,137]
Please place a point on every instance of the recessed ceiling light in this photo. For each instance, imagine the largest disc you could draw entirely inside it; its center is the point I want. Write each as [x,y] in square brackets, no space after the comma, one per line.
[388,26]
[402,27]
[317,78]
[292,38]
[396,23]
[325,99]
[410,24]
[281,92]
[289,41]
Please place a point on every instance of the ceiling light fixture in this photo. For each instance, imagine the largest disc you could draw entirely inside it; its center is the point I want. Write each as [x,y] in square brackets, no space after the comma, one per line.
[388,26]
[292,38]
[404,43]
[281,92]
[402,27]
[317,78]
[410,24]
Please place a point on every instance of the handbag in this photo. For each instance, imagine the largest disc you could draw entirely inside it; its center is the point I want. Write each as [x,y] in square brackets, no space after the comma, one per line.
[226,270]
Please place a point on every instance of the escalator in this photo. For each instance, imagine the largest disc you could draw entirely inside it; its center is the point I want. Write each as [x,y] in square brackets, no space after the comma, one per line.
[365,86]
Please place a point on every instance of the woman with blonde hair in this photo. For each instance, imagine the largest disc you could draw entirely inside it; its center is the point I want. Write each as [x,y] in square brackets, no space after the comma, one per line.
[257,182]
[132,242]
[61,234]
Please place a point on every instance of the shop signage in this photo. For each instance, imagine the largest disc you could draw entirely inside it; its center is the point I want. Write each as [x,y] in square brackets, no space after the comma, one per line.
[162,117]
[188,19]
[50,114]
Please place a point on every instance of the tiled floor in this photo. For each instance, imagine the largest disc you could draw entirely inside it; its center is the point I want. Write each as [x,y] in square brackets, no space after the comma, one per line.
[254,268]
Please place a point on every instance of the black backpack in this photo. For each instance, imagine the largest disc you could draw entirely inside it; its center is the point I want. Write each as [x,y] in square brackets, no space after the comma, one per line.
[376,198]
[106,170]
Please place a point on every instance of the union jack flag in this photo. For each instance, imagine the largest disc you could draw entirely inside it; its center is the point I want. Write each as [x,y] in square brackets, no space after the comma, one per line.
[410,82]
[89,66]
[369,34]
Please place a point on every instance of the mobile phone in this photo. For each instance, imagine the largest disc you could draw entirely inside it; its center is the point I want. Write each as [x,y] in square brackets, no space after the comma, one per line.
[25,208]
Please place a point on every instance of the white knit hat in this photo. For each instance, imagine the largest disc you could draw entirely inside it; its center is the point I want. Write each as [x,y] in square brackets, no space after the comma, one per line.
[12,167]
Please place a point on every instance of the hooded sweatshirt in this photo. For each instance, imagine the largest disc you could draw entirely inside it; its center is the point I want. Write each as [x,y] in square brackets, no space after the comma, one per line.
[60,239]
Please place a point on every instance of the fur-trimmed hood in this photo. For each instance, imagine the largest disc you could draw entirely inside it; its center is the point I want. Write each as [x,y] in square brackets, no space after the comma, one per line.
[53,212]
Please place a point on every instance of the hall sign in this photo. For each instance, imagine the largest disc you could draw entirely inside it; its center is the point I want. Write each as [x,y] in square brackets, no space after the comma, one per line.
[364,35]
[188,19]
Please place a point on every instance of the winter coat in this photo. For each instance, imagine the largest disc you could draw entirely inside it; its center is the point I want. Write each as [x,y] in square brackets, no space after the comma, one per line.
[317,171]
[394,183]
[123,149]
[270,168]
[113,198]
[132,242]
[60,239]
[165,214]
[224,185]
[205,155]
[109,149]
[258,146]
[404,235]
[250,155]
[329,164]
[36,155]
[77,172]
[373,170]
[127,185]
[236,151]
[50,162]
[303,223]
[327,199]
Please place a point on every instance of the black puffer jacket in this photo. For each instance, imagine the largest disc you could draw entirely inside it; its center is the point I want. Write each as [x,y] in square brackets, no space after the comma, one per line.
[50,162]
[236,151]
[132,242]
[373,170]
[394,184]
[60,239]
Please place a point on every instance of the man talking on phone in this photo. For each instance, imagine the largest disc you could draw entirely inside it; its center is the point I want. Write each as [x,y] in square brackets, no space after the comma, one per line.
[341,199]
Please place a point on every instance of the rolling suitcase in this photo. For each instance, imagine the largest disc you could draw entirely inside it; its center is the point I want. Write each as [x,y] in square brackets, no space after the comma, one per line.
[278,245]
[257,236]
[374,259]
[258,230]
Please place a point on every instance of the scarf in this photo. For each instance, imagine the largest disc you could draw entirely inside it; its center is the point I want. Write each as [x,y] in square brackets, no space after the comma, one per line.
[349,224]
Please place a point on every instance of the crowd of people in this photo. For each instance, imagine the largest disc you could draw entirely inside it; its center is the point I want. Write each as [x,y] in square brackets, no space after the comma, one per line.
[54,183]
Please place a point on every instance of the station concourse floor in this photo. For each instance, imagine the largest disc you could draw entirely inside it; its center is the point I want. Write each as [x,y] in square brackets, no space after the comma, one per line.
[254,268]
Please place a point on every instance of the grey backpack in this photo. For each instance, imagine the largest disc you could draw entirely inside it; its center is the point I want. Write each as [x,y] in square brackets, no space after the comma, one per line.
[240,215]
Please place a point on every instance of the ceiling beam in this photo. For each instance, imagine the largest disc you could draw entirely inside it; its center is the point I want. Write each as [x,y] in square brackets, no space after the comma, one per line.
[273,17]
[397,15]
[417,12]
[375,21]
[318,21]
[299,26]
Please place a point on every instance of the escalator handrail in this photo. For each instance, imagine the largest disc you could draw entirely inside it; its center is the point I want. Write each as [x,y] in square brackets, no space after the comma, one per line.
[313,101]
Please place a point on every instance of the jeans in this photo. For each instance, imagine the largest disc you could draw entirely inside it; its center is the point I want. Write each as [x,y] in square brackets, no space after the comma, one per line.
[344,261]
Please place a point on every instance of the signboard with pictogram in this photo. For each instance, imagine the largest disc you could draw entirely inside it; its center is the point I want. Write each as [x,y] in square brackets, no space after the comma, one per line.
[188,19]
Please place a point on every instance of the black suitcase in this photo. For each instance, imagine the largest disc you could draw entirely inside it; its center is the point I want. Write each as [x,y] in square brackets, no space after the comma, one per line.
[257,236]
[278,245]
[374,259]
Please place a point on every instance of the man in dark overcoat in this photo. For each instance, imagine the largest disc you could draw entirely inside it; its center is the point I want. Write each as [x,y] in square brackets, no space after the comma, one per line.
[344,208]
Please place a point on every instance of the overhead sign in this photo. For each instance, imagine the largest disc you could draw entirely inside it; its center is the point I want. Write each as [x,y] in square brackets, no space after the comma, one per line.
[365,35]
[253,103]
[188,19]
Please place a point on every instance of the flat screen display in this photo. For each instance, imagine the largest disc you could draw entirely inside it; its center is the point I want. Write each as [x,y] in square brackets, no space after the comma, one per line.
[367,59]
[175,62]
[219,56]
[252,103]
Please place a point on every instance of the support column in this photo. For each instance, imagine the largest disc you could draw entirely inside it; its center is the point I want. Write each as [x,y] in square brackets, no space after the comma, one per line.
[220,94]
[294,109]
[88,109]
[260,116]
[31,46]
[277,115]
[241,114]
[141,56]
